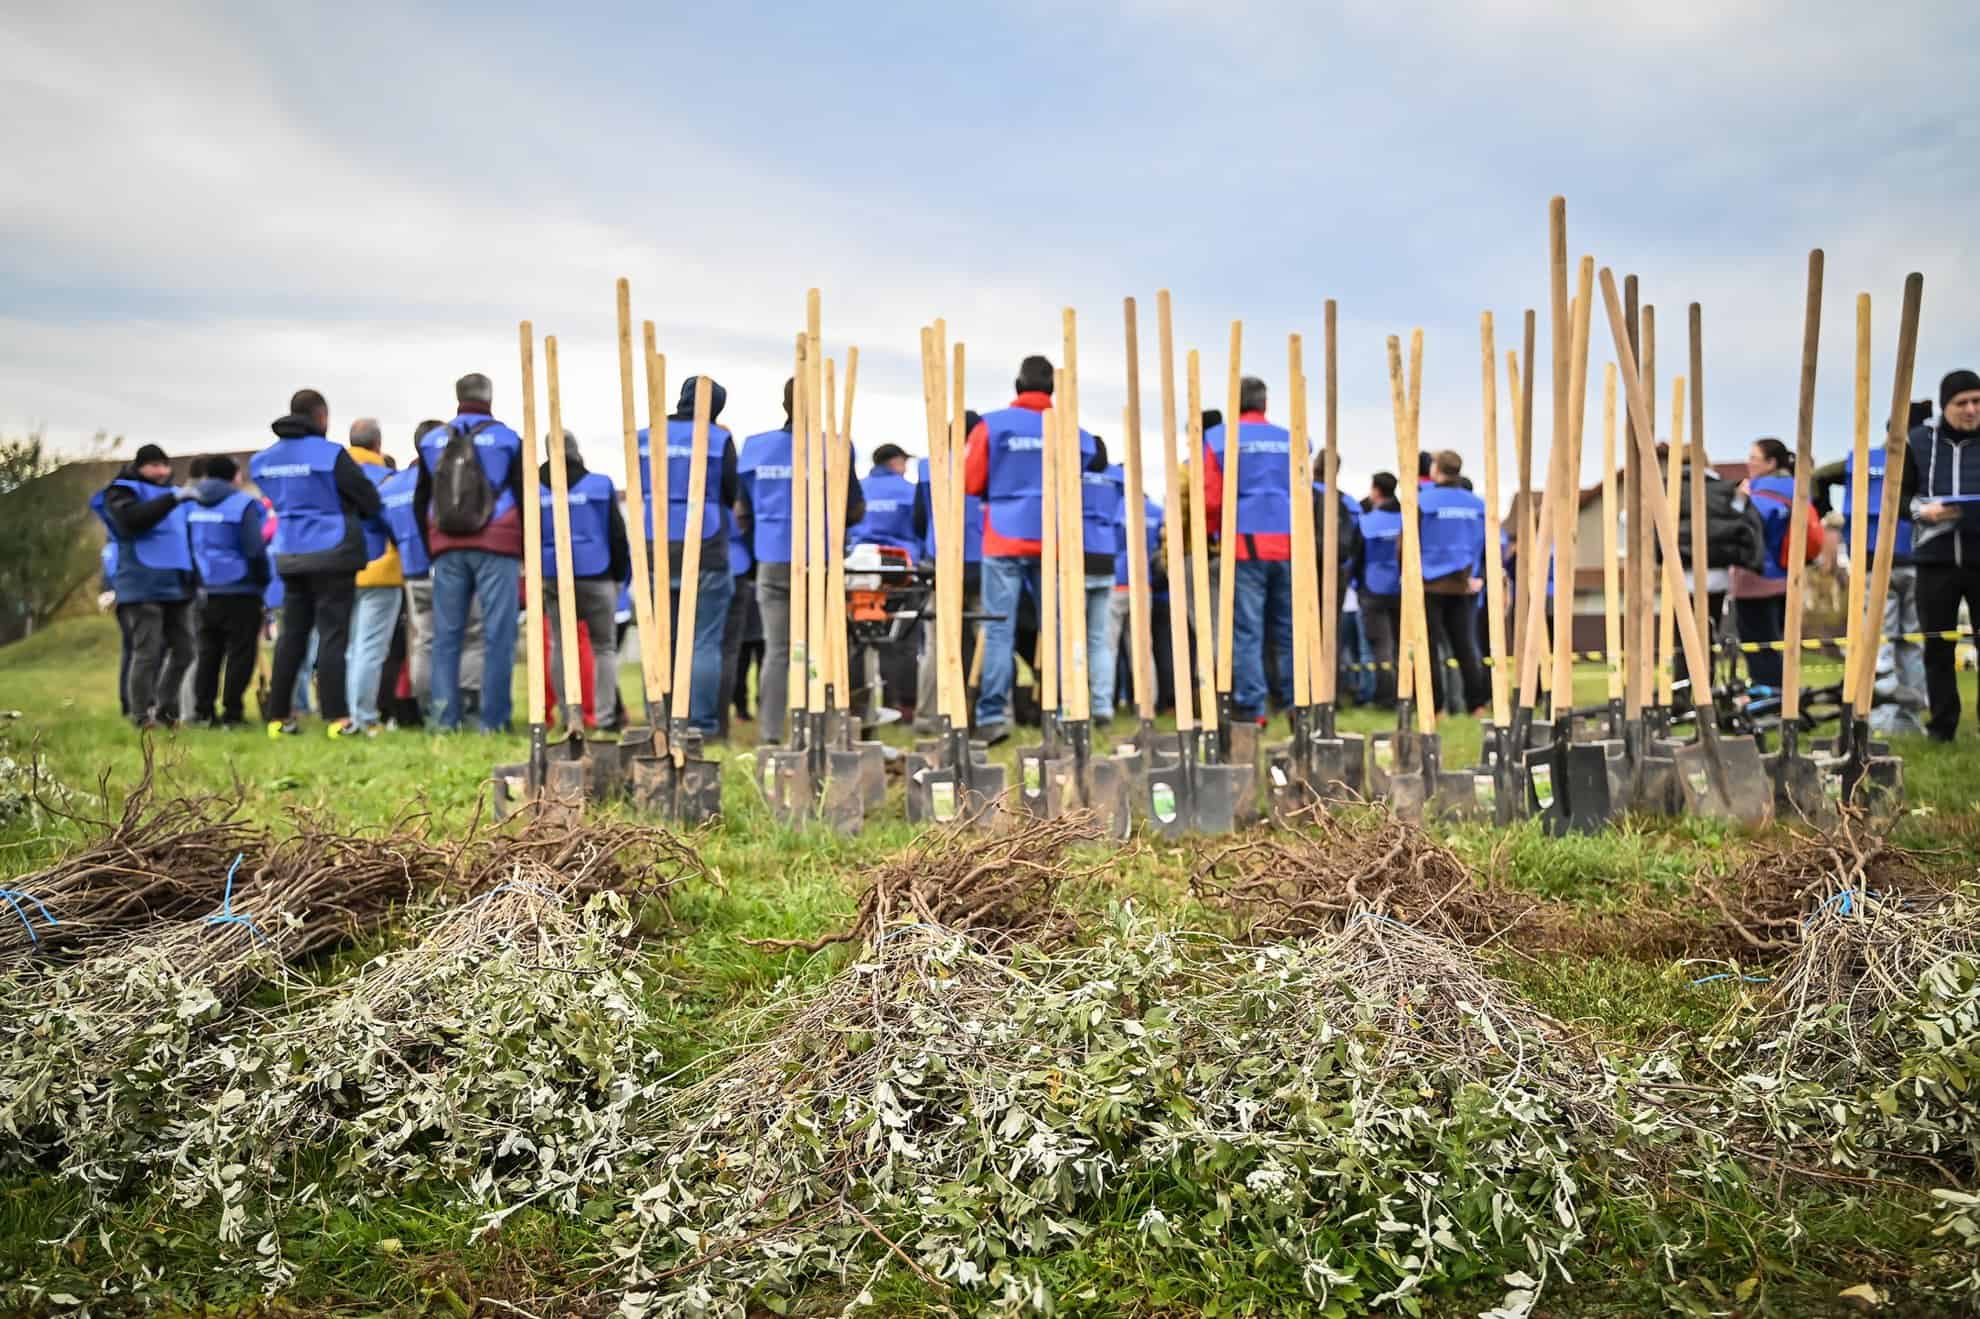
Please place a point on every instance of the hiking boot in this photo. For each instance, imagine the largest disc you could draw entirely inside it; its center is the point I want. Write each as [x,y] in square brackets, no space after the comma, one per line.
[281,728]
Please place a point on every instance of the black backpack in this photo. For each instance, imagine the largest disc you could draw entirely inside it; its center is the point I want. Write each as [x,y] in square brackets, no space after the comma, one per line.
[463,501]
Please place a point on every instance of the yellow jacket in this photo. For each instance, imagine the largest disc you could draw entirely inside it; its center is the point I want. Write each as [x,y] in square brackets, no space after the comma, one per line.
[383,570]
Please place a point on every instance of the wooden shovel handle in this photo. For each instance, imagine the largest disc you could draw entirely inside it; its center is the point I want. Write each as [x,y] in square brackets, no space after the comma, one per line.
[1175,537]
[1075,695]
[656,657]
[1326,677]
[1227,531]
[1495,564]
[1854,631]
[1612,641]
[560,529]
[1199,537]
[1299,495]
[642,582]
[1804,461]
[697,499]
[1896,436]
[532,533]
[1140,623]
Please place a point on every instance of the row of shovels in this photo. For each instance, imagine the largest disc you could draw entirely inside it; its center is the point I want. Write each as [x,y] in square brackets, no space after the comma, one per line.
[1541,757]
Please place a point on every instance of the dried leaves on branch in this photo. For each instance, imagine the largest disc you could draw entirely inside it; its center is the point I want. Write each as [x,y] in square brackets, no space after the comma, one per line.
[998,888]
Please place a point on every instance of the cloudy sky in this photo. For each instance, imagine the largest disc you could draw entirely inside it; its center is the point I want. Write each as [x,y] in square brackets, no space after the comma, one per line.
[205,206]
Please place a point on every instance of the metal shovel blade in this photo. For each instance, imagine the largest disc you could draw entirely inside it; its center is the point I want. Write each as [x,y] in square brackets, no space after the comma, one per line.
[1169,799]
[563,790]
[1226,798]
[1110,794]
[1724,778]
[508,789]
[1045,777]
[1385,760]
[652,783]
[872,774]
[698,791]
[1339,766]
[605,774]
[1288,790]
[1544,774]
[1247,747]
[1594,770]
[842,797]
[789,785]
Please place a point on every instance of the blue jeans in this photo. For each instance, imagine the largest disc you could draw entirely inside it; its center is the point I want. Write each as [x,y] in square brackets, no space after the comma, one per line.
[1359,682]
[711,615]
[1264,599]
[299,703]
[372,620]
[459,577]
[1006,581]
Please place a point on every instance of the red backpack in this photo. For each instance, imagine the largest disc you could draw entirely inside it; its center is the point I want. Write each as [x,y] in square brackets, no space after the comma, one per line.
[1816,535]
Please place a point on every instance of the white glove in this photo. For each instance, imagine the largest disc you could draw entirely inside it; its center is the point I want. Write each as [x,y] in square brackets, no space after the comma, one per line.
[105,599]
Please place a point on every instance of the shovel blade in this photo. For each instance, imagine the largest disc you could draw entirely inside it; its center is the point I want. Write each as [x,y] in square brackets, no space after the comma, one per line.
[1168,802]
[1247,747]
[1744,793]
[651,781]
[1800,789]
[1339,767]
[1593,770]
[1226,798]
[1388,755]
[1454,796]
[605,775]
[788,783]
[698,791]
[1288,791]
[872,774]
[1110,794]
[563,790]
[1046,786]
[842,797]
[508,789]
[1408,794]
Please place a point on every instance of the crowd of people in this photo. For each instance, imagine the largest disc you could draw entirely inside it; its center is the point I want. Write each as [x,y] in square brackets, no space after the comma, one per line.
[394,588]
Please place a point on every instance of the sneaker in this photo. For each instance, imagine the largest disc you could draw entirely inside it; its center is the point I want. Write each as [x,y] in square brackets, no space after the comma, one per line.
[991,735]
[345,728]
[281,728]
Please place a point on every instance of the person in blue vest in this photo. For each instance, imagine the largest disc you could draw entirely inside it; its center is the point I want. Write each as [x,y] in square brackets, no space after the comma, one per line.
[1760,598]
[601,558]
[396,496]
[230,554]
[926,696]
[1941,487]
[153,582]
[1263,589]
[763,512]
[321,500]
[1900,661]
[1003,464]
[1378,585]
[1119,608]
[889,495]
[469,501]
[1451,521]
[720,490]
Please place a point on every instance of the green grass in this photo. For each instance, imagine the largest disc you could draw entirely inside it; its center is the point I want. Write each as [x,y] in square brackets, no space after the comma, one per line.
[416,1256]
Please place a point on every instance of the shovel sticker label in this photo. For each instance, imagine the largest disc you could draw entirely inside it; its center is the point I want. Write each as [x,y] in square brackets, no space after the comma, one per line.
[1384,753]
[942,800]
[1162,802]
[1034,777]
[1832,786]
[1541,776]
[1485,791]
[1697,780]
[769,775]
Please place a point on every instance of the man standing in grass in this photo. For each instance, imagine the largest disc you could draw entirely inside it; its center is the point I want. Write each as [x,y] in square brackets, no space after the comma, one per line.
[469,500]
[381,587]
[1942,485]
[321,500]
[152,576]
[230,553]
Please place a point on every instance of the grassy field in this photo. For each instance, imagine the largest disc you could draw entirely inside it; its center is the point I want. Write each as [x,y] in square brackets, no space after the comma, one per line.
[1726,1250]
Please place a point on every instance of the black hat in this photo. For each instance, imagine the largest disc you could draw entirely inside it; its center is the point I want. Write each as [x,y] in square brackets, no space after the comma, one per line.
[886,453]
[148,454]
[1957,383]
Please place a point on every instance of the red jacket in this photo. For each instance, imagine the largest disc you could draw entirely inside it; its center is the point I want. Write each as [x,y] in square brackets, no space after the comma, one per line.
[1273,547]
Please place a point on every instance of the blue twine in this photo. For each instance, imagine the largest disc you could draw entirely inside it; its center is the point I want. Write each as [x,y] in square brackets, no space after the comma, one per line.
[226,915]
[14,898]
[1385,919]
[1733,975]
[1843,903]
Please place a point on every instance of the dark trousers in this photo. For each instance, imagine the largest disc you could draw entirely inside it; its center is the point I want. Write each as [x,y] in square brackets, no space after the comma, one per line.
[1381,622]
[161,646]
[1715,611]
[1452,624]
[1762,620]
[124,664]
[319,602]
[229,633]
[1941,587]
[734,676]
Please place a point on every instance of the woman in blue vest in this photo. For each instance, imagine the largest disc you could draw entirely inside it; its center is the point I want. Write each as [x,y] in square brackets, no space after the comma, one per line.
[601,557]
[1379,588]
[230,554]
[1760,598]
[321,499]
[153,582]
[763,499]
[1942,490]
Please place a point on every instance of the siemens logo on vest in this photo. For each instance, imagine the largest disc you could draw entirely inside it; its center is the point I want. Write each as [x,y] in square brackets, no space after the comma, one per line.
[575,498]
[1383,533]
[1024,444]
[205,516]
[288,469]
[1264,446]
[399,499]
[773,472]
[1457,514]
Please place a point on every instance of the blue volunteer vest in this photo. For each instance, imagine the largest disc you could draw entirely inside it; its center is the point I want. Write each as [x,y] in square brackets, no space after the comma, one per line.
[395,497]
[972,520]
[377,537]
[1264,483]
[889,518]
[764,467]
[216,546]
[147,569]
[1873,513]
[1773,497]
[1453,531]
[498,448]
[299,477]
[591,527]
[1016,471]
[1099,509]
[680,457]
[1381,558]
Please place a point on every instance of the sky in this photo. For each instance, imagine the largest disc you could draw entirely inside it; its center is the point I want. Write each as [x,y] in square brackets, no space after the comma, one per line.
[204,206]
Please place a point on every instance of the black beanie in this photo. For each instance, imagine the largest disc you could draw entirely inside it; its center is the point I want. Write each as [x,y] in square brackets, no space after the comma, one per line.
[1956,383]
[151,453]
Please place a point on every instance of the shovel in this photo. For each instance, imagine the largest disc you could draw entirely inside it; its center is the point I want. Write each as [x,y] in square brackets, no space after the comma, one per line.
[844,789]
[1336,762]
[697,779]
[789,787]
[1718,780]
[1798,790]
[649,766]
[948,777]
[1869,781]
[1289,765]
[846,724]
